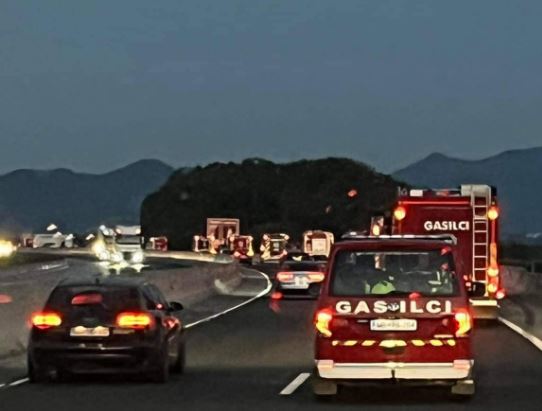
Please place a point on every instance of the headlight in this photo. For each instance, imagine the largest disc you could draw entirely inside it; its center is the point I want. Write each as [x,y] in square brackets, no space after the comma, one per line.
[137,257]
[116,257]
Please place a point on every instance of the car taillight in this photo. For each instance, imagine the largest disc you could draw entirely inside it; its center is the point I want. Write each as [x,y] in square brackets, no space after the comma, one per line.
[316,277]
[134,320]
[46,320]
[463,322]
[285,276]
[322,320]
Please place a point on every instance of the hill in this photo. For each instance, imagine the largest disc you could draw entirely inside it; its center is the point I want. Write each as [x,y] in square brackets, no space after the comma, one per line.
[268,197]
[31,199]
[517,174]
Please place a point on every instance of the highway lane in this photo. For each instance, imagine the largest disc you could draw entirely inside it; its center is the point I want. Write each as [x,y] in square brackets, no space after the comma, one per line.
[190,282]
[243,360]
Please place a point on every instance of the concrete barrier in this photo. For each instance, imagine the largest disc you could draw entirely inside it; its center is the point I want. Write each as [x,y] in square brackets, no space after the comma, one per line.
[29,287]
[519,281]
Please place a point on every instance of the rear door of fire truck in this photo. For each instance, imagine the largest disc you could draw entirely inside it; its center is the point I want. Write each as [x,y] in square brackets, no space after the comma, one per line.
[470,214]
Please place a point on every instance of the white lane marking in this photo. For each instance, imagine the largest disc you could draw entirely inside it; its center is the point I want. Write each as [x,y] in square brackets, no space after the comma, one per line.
[537,342]
[203,320]
[295,384]
[220,314]
[18,382]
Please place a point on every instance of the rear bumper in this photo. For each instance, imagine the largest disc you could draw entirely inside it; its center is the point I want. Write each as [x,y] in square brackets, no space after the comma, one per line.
[457,370]
[95,360]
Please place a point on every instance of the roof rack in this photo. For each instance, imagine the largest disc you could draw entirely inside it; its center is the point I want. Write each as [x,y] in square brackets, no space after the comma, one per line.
[354,235]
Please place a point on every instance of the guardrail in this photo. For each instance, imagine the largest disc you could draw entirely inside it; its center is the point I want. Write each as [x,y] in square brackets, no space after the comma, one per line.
[532,266]
[176,255]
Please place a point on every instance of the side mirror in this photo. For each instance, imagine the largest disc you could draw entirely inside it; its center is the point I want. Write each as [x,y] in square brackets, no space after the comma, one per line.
[478,289]
[175,306]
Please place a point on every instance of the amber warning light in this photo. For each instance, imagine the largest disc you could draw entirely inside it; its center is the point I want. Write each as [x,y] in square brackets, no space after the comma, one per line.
[399,213]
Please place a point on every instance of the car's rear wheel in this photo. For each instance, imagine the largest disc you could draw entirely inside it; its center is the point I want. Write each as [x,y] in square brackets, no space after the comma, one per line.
[160,369]
[37,373]
[322,388]
[178,365]
[463,389]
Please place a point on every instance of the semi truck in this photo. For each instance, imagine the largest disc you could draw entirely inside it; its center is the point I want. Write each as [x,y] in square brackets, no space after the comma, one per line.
[471,214]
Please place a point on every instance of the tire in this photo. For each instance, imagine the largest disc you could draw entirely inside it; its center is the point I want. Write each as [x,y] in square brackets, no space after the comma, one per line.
[36,373]
[179,364]
[160,369]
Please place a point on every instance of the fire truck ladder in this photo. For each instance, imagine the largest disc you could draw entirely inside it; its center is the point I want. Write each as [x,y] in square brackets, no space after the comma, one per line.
[481,201]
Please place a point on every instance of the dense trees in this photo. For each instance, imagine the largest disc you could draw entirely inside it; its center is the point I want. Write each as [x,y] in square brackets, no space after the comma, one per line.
[333,194]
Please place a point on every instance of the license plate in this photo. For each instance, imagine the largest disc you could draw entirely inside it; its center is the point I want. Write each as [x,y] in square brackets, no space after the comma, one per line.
[81,331]
[394,325]
[301,282]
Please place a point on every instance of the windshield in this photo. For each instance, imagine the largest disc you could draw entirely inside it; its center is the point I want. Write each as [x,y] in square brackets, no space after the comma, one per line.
[108,298]
[367,273]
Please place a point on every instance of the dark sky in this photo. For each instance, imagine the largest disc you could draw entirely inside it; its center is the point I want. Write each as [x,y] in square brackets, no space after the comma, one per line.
[96,84]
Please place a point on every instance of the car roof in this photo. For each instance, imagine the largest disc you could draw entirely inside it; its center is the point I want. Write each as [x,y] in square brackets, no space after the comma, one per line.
[102,280]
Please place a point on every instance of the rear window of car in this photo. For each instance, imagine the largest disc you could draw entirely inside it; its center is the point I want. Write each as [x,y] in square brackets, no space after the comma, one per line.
[377,273]
[110,299]
[301,267]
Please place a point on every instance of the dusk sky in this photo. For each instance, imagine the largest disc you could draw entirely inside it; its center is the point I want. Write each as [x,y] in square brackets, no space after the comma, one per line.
[94,85]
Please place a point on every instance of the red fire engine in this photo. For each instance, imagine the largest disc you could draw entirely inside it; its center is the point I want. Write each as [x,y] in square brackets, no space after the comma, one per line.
[470,213]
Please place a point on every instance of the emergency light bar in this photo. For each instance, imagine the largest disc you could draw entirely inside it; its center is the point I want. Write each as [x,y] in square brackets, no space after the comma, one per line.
[354,235]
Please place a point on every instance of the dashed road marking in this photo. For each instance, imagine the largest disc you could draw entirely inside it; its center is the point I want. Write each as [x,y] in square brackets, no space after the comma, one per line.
[18,382]
[295,384]
[537,342]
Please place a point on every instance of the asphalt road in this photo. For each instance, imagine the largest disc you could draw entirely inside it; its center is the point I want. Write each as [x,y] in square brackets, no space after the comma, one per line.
[242,361]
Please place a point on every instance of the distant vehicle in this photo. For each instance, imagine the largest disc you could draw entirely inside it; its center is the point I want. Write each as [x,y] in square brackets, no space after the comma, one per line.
[7,248]
[394,308]
[99,325]
[158,243]
[129,243]
[299,278]
[218,231]
[470,213]
[56,240]
[318,242]
[240,247]
[201,244]
[273,246]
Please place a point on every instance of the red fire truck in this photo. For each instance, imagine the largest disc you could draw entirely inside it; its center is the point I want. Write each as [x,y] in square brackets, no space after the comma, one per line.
[471,214]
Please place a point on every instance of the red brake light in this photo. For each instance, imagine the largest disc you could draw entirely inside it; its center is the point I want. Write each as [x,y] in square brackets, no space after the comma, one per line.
[322,319]
[45,320]
[463,322]
[87,299]
[285,276]
[134,320]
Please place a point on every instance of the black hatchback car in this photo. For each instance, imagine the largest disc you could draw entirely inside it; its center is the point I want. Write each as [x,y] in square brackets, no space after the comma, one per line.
[104,325]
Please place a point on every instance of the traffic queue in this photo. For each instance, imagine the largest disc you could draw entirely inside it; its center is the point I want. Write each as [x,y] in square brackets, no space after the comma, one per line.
[396,302]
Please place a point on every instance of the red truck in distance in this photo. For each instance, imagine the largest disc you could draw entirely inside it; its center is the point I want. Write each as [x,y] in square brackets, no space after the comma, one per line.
[470,213]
